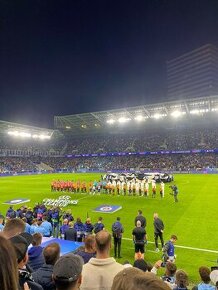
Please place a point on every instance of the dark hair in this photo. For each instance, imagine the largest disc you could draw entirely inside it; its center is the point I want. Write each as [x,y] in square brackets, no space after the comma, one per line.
[118,218]
[140,264]
[90,242]
[171,268]
[174,237]
[13,227]
[139,211]
[8,262]
[37,239]
[148,281]
[51,253]
[204,274]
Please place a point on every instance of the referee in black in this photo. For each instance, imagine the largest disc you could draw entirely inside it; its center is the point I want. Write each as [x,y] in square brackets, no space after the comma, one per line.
[158,231]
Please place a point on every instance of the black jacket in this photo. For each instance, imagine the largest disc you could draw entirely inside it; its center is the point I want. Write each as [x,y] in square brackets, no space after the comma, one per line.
[43,276]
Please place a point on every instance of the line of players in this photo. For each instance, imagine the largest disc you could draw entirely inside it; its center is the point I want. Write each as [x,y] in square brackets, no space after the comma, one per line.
[113,187]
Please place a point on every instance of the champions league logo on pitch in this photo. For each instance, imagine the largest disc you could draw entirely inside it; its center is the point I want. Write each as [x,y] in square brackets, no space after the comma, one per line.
[61,201]
[107,208]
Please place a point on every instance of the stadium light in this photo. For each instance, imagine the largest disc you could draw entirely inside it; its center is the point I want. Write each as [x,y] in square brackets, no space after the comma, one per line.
[111,121]
[198,111]
[123,120]
[28,135]
[158,116]
[68,127]
[177,114]
[140,118]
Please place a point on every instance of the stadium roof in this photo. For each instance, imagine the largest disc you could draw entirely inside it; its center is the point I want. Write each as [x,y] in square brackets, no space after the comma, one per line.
[95,121]
[6,127]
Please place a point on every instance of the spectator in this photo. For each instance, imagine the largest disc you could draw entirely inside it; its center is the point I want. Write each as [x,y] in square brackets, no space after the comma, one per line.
[1,223]
[43,275]
[181,280]
[8,269]
[67,272]
[141,264]
[89,251]
[205,278]
[21,243]
[124,279]
[148,281]
[36,258]
[99,272]
[170,271]
[13,227]
[214,277]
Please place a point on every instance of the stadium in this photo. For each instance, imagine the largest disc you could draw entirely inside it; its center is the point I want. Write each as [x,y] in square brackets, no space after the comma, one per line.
[177,137]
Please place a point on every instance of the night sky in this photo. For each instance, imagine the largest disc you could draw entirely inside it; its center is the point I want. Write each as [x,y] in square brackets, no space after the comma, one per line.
[75,56]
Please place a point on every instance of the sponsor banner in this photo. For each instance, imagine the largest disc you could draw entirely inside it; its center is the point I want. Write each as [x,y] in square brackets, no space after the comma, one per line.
[16,201]
[61,201]
[107,208]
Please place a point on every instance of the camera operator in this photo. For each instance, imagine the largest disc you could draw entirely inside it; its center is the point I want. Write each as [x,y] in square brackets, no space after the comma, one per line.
[175,192]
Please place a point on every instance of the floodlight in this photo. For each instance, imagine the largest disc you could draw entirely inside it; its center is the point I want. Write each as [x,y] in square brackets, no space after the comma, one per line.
[157,116]
[195,112]
[68,127]
[177,114]
[123,120]
[139,118]
[110,121]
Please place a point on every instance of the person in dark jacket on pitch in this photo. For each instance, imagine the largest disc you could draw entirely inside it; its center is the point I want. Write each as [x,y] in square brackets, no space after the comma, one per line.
[43,275]
[158,231]
[70,234]
[140,218]
[36,258]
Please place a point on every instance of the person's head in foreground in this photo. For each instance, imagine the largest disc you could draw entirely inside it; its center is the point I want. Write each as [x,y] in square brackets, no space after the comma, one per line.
[67,272]
[181,279]
[135,279]
[8,269]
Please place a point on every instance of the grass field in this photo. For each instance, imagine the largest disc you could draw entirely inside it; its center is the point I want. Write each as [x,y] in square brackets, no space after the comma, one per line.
[194,219]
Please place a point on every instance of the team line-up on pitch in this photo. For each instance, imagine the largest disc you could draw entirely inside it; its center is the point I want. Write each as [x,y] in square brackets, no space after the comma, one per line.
[143,188]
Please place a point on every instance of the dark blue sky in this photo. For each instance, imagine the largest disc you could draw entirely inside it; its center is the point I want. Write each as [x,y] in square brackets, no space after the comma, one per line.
[73,56]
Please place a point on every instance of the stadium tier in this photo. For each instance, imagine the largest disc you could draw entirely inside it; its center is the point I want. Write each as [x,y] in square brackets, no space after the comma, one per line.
[160,136]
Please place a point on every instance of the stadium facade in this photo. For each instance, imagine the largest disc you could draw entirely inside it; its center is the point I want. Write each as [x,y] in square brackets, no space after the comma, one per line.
[193,74]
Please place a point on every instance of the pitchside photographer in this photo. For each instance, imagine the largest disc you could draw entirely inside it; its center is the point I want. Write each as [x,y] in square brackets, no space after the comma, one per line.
[174,192]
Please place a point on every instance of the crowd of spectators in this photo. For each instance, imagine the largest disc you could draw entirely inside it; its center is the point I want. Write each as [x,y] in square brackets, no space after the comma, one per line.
[90,267]
[25,155]
[165,162]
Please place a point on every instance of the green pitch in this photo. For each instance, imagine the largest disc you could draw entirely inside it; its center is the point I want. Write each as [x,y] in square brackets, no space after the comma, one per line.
[194,219]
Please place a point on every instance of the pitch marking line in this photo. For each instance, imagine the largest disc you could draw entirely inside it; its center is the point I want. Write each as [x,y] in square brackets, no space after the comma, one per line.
[184,247]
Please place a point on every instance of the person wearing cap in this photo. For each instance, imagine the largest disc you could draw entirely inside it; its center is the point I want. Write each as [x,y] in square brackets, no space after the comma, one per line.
[20,243]
[43,275]
[204,273]
[67,272]
[99,272]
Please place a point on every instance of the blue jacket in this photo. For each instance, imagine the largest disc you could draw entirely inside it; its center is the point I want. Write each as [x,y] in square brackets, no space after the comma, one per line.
[36,258]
